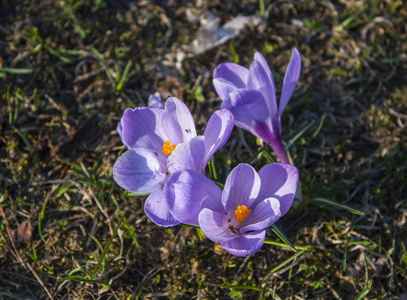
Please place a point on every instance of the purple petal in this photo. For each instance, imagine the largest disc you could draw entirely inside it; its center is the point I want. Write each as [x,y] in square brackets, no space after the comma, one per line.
[279,181]
[241,188]
[177,121]
[217,132]
[234,73]
[188,155]
[261,79]
[214,226]
[246,244]
[139,127]
[223,87]
[290,80]
[154,100]
[157,210]
[140,170]
[248,108]
[265,214]
[186,191]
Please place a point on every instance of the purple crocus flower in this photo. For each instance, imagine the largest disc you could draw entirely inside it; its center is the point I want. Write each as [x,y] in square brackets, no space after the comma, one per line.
[161,142]
[250,95]
[238,216]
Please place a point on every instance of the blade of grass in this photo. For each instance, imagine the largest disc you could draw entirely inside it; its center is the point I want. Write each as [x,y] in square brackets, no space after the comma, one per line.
[131,231]
[237,287]
[96,241]
[16,71]
[75,22]
[404,253]
[124,76]
[367,282]
[30,148]
[139,293]
[65,187]
[102,256]
[79,278]
[34,256]
[366,291]
[200,233]
[79,270]
[282,236]
[262,8]
[41,216]
[234,53]
[319,127]
[73,165]
[10,109]
[213,170]
[345,254]
[102,60]
[57,54]
[347,23]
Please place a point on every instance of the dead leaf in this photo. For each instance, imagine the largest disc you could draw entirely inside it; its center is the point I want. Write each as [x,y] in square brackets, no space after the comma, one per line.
[23,233]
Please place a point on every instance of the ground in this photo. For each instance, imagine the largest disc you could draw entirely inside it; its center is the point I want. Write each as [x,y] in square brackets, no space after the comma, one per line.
[68,71]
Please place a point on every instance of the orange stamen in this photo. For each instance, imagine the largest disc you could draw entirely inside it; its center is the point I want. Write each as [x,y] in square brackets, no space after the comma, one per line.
[167,148]
[241,213]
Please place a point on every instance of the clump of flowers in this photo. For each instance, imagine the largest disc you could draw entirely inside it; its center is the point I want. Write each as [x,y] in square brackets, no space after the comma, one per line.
[167,159]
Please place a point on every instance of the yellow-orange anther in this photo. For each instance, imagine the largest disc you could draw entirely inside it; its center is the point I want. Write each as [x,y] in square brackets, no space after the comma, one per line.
[241,213]
[167,148]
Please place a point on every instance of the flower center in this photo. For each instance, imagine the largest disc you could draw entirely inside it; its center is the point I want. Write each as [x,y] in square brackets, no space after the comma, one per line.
[241,213]
[167,148]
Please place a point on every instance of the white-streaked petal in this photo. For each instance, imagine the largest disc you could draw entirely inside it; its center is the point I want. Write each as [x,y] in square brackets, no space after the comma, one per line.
[177,121]
[140,170]
[217,132]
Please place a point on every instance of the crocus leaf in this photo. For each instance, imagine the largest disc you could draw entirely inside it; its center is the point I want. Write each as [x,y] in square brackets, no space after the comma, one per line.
[282,236]
[253,157]
[299,134]
[268,241]
[287,261]
[319,201]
